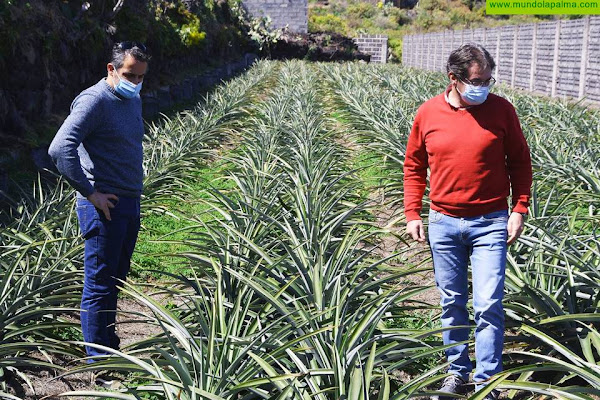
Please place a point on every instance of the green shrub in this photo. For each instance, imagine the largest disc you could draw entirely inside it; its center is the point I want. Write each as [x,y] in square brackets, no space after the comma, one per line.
[399,15]
[383,22]
[463,17]
[326,23]
[432,5]
[362,10]
[191,34]
[396,48]
[318,10]
[133,24]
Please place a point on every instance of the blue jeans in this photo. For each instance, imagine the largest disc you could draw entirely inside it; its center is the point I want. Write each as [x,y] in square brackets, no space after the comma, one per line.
[453,242]
[108,249]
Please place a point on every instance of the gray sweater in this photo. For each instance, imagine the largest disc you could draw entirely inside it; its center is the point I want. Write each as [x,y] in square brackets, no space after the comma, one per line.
[99,146]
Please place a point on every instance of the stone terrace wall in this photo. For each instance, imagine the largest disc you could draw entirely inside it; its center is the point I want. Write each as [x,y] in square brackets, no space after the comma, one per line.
[374,45]
[293,13]
[559,58]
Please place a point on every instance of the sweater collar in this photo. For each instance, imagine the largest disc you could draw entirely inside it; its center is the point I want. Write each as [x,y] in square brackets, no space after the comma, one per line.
[446,92]
[111,89]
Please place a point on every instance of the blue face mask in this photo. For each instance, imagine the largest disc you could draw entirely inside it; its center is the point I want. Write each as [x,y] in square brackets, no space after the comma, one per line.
[474,95]
[127,89]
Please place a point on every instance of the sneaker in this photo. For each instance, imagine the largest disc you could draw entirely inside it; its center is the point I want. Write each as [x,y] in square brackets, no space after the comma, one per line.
[452,384]
[493,395]
[108,382]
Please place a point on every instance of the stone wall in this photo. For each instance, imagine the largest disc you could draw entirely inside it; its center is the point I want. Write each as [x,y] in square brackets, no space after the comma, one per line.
[164,98]
[291,13]
[154,102]
[557,58]
[374,45]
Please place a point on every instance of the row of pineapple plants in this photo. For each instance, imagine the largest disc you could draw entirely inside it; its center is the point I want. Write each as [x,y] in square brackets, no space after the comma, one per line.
[41,263]
[553,278]
[285,301]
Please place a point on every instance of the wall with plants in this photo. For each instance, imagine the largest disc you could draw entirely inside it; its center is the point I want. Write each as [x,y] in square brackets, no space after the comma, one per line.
[397,18]
[356,17]
[53,49]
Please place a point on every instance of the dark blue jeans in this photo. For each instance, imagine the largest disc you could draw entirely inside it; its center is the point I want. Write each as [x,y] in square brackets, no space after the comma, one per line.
[108,249]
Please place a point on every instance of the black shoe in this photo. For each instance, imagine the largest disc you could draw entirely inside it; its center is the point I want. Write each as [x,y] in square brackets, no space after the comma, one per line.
[493,395]
[452,384]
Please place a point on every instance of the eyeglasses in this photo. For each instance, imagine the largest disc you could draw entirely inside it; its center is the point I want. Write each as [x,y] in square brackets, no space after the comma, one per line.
[476,82]
[130,45]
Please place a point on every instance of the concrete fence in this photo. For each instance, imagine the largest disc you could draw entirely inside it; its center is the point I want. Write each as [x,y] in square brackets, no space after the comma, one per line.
[558,58]
[374,45]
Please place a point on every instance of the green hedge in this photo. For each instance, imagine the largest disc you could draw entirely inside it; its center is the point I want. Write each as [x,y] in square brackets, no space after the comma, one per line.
[56,31]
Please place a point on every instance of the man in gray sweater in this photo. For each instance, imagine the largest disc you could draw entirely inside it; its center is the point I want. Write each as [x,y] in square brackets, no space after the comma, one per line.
[98,149]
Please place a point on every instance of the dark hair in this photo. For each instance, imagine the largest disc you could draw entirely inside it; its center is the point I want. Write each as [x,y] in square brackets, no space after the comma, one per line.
[121,51]
[461,59]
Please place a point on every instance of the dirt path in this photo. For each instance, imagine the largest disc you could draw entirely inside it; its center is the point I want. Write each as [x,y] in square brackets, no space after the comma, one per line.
[389,216]
[132,327]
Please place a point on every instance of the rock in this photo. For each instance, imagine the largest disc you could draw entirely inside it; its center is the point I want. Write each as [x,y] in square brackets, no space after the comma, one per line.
[29,102]
[177,92]
[42,160]
[250,59]
[4,107]
[196,85]
[3,182]
[14,122]
[28,51]
[47,102]
[165,101]
[229,69]
[235,68]
[187,89]
[209,80]
[220,73]
[150,106]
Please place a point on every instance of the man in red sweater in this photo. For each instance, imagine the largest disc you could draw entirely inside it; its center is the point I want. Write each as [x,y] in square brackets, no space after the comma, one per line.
[471,140]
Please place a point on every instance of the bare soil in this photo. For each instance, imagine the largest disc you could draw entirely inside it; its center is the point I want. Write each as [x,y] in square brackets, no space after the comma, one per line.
[47,383]
[410,253]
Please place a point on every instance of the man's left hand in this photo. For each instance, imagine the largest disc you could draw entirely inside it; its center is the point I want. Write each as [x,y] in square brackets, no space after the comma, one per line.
[516,223]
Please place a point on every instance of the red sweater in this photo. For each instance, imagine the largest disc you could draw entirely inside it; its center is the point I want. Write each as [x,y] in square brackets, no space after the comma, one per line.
[475,155]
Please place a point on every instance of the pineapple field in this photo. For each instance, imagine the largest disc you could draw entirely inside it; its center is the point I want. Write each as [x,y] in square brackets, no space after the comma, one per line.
[273,263]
